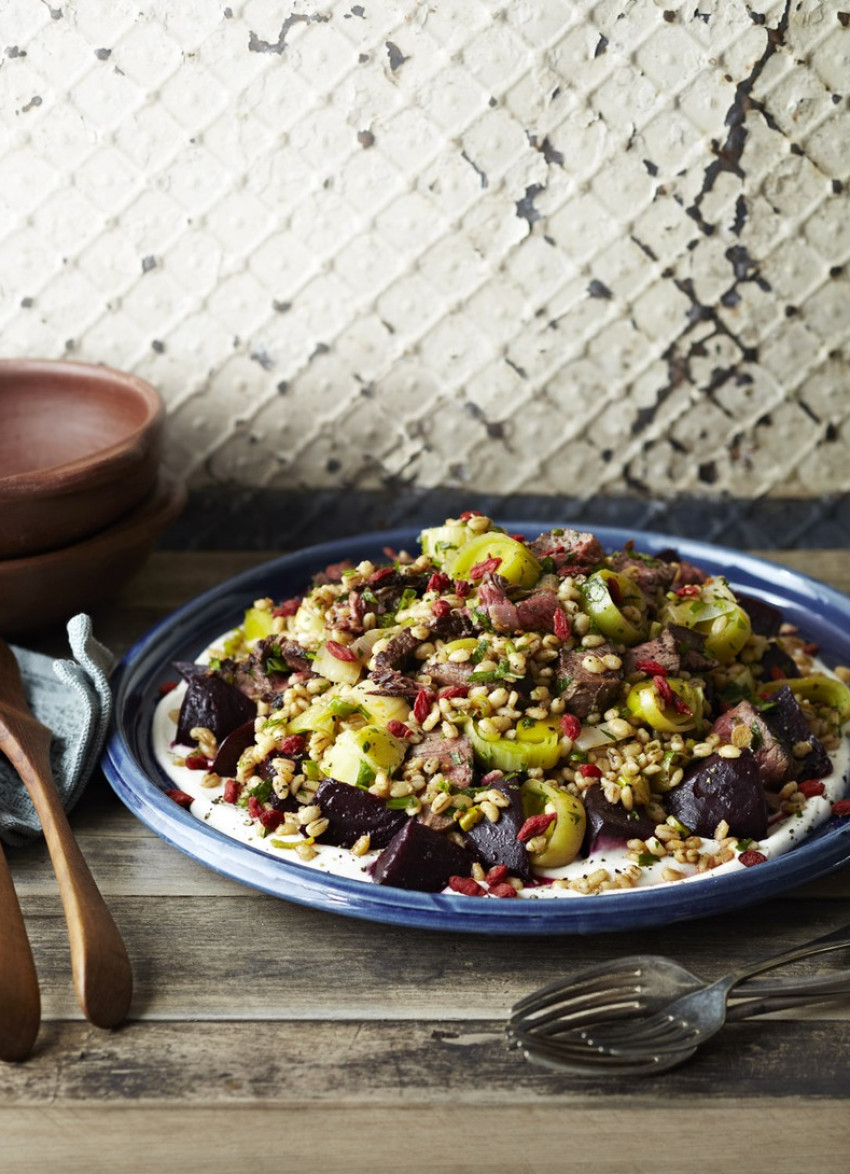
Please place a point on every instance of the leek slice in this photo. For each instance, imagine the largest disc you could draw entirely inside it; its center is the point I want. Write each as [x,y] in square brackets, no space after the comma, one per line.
[518,565]
[357,755]
[564,837]
[599,604]
[537,743]
[716,614]
[820,689]
[645,702]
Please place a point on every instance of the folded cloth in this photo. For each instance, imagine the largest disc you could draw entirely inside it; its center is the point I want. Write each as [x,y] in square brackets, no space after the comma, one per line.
[72,698]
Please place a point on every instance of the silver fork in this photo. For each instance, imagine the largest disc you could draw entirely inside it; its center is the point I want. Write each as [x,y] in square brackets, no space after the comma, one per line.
[698,1014]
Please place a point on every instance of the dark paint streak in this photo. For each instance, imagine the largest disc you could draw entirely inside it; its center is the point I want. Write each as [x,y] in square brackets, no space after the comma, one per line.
[256,45]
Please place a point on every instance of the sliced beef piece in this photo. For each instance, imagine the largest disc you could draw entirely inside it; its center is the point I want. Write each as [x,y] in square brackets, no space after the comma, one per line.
[455,625]
[453,754]
[788,722]
[690,645]
[352,813]
[391,683]
[536,613]
[265,673]
[419,858]
[610,825]
[716,789]
[212,703]
[493,598]
[772,754]
[661,651]
[567,548]
[382,594]
[448,674]
[585,692]
[398,652]
[652,575]
[497,843]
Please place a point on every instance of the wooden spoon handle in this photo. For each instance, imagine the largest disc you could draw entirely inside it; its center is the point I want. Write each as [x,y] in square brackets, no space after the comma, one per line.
[101,969]
[20,1001]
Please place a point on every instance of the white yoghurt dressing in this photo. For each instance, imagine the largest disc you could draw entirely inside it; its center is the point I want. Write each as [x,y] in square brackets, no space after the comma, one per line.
[234,822]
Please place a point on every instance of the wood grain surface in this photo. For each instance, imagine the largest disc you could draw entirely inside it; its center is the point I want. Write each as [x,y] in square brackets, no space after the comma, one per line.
[268,1036]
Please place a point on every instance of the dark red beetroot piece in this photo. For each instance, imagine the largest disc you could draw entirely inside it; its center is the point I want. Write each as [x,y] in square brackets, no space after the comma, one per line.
[609,825]
[213,704]
[352,813]
[787,720]
[419,858]
[232,749]
[719,789]
[497,842]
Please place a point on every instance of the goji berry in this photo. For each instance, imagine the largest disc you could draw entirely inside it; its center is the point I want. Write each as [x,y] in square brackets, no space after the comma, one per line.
[255,807]
[293,744]
[751,857]
[689,591]
[288,607]
[561,625]
[462,588]
[841,807]
[535,825]
[180,798]
[496,874]
[503,890]
[467,514]
[341,651]
[652,667]
[571,725]
[487,567]
[589,770]
[197,762]
[441,607]
[399,729]
[232,790]
[166,687]
[466,885]
[438,582]
[270,819]
[452,691]
[422,705]
[381,573]
[811,787]
[662,688]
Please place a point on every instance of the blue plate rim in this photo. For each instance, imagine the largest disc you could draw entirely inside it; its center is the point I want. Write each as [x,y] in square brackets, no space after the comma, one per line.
[825,851]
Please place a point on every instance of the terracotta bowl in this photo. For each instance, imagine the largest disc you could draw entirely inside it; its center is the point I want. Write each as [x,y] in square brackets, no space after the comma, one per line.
[80,445]
[46,589]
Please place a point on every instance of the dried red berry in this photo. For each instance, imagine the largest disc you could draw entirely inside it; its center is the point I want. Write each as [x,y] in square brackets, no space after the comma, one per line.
[503,890]
[689,591]
[811,649]
[441,607]
[662,688]
[381,573]
[232,790]
[652,667]
[467,514]
[488,567]
[462,588]
[561,625]
[452,691]
[255,807]
[180,798]
[466,885]
[288,607]
[496,874]
[751,857]
[571,725]
[841,807]
[492,776]
[399,729]
[270,820]
[341,651]
[535,825]
[197,762]
[292,745]
[438,582]
[422,705]
[518,538]
[614,591]
[811,787]
[589,770]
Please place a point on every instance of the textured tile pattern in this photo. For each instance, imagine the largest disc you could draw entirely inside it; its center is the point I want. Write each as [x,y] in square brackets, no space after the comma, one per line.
[535,248]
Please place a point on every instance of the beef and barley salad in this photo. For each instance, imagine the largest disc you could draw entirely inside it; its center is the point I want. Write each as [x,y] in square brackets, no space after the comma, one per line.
[501,717]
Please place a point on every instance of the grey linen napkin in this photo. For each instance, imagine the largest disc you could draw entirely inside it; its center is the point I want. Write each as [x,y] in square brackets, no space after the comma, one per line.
[72,698]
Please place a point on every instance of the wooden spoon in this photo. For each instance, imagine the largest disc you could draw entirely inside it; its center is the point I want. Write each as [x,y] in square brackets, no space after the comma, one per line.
[20,1002]
[99,963]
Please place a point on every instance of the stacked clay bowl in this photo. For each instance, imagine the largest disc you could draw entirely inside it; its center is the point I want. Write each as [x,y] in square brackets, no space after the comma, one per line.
[82,493]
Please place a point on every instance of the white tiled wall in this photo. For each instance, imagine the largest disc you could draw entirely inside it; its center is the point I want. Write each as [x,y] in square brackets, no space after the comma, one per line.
[539,246]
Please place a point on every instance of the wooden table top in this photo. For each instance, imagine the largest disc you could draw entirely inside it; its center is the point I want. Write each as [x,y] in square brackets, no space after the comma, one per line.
[267,1036]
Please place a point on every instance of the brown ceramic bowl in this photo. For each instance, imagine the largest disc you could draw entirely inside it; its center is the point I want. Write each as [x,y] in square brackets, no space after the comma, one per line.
[80,445]
[46,589]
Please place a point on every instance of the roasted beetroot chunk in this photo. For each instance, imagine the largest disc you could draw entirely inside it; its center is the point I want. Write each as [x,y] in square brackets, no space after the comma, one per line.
[419,858]
[213,704]
[497,842]
[719,789]
[232,749]
[787,719]
[352,813]
[609,825]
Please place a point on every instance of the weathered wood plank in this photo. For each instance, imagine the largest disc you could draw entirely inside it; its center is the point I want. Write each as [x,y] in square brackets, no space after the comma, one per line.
[776,1138]
[248,957]
[362,1062]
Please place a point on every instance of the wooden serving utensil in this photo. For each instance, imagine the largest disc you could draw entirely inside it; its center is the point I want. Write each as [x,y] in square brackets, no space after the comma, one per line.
[20,1001]
[101,969]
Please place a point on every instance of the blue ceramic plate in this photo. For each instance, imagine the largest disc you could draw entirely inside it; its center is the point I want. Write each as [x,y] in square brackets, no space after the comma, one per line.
[821,613]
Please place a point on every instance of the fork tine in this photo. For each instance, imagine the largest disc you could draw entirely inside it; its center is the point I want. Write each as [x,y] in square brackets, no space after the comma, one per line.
[580,1004]
[579,1058]
[589,980]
